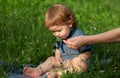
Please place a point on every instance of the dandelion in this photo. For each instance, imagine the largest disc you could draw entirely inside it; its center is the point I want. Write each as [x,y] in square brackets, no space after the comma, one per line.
[94,28]
[25,37]
[30,43]
[22,52]
[108,49]
[29,59]
[45,45]
[37,41]
[17,60]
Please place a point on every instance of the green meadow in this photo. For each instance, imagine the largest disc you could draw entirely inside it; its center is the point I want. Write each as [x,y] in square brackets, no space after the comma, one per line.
[25,40]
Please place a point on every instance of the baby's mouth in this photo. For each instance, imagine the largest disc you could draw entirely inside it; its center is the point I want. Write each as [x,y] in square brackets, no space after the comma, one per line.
[58,39]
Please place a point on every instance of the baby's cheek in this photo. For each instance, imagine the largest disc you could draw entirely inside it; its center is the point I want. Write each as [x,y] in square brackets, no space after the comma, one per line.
[66,35]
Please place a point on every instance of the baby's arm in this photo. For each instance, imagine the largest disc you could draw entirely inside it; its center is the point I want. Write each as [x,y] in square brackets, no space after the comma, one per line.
[58,56]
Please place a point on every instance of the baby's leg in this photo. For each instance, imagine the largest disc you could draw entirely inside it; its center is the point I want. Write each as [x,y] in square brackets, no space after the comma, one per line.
[42,68]
[78,63]
[33,72]
[82,61]
[52,75]
[68,66]
[81,66]
[55,74]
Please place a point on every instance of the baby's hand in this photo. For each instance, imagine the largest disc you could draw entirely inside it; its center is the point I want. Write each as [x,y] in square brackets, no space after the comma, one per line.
[52,75]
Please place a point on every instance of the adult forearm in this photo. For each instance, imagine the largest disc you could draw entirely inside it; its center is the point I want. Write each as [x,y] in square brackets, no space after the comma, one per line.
[107,37]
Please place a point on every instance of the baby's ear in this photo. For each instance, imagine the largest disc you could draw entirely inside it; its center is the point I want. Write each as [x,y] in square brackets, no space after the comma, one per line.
[70,25]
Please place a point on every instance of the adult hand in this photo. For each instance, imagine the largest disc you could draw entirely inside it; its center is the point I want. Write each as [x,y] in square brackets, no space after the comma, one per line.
[75,42]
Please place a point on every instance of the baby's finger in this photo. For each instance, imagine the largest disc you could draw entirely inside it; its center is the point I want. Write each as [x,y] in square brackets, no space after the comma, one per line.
[61,60]
[47,73]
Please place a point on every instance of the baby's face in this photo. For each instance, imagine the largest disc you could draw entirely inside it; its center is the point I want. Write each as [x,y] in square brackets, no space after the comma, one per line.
[61,31]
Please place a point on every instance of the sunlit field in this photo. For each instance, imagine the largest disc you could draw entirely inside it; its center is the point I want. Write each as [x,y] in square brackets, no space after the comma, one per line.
[25,40]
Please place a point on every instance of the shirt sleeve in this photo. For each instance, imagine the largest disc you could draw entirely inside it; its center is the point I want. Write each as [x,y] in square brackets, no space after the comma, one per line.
[85,48]
[57,45]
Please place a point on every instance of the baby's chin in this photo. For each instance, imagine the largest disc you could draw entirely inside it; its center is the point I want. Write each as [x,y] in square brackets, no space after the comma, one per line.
[58,39]
[63,38]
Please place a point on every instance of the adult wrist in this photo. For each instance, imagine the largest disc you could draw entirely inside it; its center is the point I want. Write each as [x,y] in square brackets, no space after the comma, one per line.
[86,40]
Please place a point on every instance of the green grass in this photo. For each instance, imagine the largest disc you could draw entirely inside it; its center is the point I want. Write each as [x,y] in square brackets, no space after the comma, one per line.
[25,40]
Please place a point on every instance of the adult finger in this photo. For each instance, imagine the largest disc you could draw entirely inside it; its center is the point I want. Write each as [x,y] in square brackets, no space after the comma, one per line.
[68,42]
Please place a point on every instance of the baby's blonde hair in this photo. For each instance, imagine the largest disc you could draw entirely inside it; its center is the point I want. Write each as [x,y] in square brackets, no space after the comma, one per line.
[59,14]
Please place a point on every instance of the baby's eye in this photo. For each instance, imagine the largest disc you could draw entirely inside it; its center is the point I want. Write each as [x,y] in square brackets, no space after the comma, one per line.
[58,30]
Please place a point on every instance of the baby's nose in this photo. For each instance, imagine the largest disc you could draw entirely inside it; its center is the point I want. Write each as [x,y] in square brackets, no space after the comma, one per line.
[57,34]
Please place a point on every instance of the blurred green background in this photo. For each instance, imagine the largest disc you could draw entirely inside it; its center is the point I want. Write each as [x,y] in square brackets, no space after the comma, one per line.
[25,40]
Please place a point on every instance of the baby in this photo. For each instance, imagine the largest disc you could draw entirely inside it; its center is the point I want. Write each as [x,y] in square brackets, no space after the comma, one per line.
[61,21]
